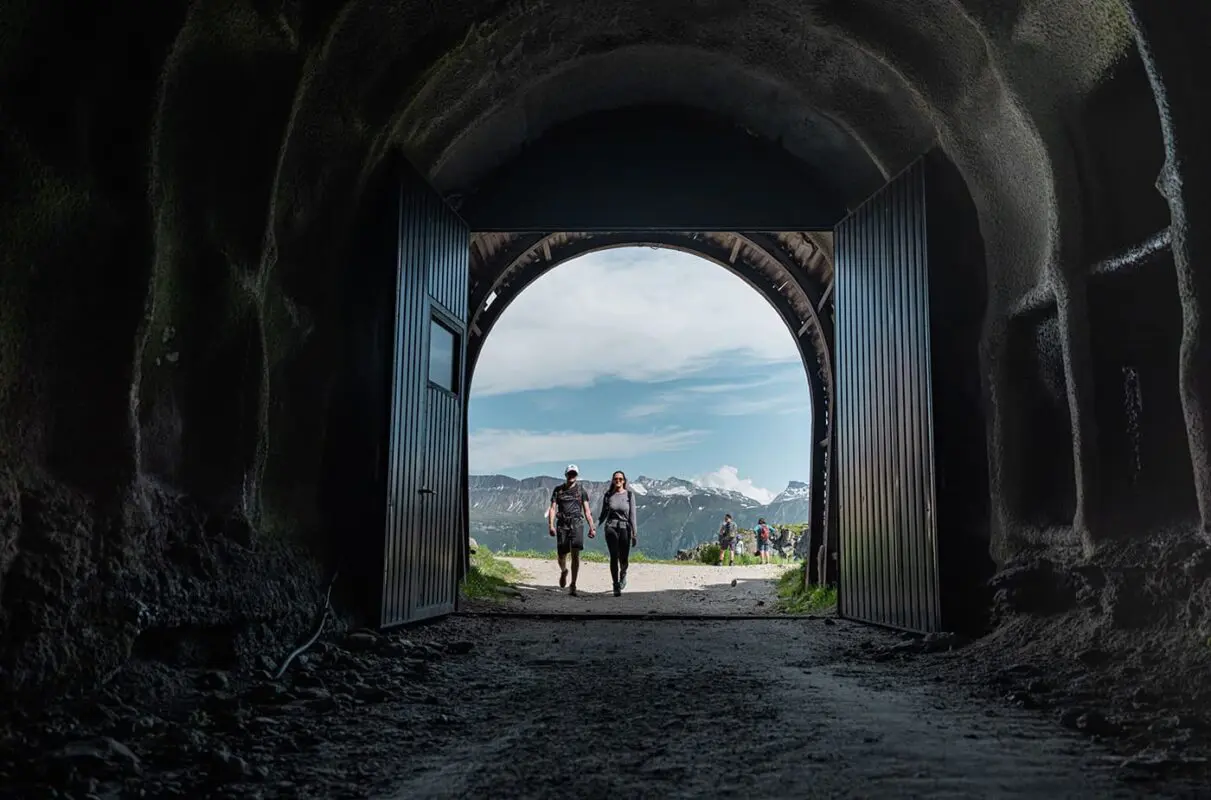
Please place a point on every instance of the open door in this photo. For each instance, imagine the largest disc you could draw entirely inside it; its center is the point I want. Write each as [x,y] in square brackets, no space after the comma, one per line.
[394,465]
[911,458]
[887,533]
[425,529]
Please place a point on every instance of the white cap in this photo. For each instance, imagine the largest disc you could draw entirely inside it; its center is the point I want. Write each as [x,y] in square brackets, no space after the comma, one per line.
[572,468]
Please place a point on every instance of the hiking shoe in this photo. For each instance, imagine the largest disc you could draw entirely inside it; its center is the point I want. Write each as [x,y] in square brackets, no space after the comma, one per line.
[617,589]
[563,578]
[622,581]
[572,590]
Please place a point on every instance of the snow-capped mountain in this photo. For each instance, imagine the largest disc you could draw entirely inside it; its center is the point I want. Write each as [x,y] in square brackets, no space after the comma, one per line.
[680,487]
[674,513]
[795,490]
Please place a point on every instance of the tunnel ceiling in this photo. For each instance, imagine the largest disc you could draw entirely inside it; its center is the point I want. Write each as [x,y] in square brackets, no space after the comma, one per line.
[852,90]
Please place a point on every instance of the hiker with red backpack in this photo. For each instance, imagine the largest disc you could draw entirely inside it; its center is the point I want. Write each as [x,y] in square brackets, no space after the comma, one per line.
[764,541]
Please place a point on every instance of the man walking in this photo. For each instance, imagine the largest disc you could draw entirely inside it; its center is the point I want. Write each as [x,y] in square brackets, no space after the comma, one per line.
[727,538]
[566,518]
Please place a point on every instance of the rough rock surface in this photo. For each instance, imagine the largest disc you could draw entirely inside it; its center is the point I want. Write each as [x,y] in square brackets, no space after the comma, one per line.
[86,589]
[1107,648]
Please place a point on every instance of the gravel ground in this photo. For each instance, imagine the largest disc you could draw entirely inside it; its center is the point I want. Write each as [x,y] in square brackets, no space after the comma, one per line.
[651,588]
[500,707]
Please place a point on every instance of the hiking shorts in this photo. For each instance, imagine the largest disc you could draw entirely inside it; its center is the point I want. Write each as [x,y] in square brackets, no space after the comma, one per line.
[569,536]
[725,544]
[763,547]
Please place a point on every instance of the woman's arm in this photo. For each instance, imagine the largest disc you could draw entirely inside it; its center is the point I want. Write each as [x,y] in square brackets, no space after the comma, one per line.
[634,522]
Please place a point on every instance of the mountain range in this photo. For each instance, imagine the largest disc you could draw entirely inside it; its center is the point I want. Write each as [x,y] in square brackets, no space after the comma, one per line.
[674,513]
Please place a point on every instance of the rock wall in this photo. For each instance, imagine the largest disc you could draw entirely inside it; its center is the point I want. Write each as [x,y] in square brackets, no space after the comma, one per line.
[177,196]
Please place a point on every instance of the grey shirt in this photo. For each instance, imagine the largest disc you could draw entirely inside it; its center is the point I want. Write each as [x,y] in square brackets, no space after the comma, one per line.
[619,507]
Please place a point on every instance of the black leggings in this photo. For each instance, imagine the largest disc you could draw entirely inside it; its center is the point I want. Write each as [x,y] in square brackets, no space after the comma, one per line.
[618,539]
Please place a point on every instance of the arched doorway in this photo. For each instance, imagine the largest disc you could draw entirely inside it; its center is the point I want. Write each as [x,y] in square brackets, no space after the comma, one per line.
[791,270]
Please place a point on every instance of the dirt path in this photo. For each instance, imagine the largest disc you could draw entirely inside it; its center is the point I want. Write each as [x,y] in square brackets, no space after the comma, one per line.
[651,588]
[739,709]
[507,708]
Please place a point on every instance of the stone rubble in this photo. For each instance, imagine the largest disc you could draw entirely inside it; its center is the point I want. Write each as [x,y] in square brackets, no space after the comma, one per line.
[240,735]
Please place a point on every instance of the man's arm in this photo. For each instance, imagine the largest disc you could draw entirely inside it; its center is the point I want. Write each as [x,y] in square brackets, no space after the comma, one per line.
[588,512]
[551,515]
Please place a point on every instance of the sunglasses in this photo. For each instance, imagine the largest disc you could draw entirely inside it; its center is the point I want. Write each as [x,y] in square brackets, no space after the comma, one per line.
[619,480]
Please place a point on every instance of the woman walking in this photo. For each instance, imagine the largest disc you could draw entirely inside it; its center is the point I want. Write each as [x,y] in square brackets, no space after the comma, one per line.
[621,533]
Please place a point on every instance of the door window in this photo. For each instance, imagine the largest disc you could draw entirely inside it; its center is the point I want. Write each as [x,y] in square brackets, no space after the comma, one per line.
[443,356]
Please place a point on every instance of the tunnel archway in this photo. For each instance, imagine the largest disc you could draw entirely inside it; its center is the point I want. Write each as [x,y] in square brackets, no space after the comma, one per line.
[1020,96]
[793,272]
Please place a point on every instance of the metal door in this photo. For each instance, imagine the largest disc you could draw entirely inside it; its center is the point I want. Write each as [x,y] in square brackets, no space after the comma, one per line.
[885,458]
[425,525]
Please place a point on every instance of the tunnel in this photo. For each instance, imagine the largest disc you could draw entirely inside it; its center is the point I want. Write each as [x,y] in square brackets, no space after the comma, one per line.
[237,235]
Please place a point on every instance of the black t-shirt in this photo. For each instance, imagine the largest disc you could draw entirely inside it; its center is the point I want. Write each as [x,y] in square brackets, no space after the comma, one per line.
[569,502]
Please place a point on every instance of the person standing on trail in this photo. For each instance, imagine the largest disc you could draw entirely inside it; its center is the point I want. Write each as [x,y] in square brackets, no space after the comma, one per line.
[621,532]
[727,538]
[566,517]
[764,541]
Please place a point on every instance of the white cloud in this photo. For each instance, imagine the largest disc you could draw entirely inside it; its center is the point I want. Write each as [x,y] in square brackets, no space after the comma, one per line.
[632,314]
[646,410]
[728,477]
[782,391]
[494,449]
[764,404]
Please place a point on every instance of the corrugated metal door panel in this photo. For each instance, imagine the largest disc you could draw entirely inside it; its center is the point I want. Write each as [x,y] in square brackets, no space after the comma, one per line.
[916,612]
[424,492]
[884,424]
[436,590]
[407,425]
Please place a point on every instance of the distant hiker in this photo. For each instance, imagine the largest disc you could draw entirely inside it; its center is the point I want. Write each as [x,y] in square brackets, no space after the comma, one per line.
[727,538]
[764,543]
[621,532]
[567,514]
[738,546]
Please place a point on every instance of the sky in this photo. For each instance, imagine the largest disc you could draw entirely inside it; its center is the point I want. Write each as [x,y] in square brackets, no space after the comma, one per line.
[652,361]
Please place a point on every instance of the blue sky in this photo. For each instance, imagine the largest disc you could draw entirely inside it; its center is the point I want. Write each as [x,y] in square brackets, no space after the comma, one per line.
[652,361]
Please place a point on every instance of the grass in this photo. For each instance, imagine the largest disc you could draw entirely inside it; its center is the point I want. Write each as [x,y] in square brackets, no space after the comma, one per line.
[710,555]
[489,576]
[796,598]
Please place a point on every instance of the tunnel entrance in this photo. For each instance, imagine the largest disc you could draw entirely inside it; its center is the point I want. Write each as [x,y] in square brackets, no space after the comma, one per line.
[657,354]
[895,504]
